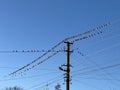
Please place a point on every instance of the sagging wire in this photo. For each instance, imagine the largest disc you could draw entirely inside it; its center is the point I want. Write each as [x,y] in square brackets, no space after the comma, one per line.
[48,82]
[33,66]
[28,77]
[79,72]
[30,51]
[66,39]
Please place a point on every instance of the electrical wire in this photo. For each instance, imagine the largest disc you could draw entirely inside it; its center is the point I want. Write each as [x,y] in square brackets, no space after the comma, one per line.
[43,84]
[14,73]
[88,84]
[30,51]
[78,72]
[93,78]
[66,39]
[28,77]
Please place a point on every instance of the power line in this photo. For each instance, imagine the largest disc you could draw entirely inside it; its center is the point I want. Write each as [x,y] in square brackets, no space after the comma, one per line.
[14,73]
[28,77]
[75,38]
[78,72]
[93,78]
[8,67]
[87,36]
[89,85]
[66,39]
[43,84]
[30,51]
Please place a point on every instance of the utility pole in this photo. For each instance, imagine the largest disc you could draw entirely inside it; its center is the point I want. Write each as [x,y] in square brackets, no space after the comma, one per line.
[66,67]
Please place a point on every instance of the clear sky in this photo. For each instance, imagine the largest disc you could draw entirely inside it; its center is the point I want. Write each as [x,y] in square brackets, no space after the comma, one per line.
[40,24]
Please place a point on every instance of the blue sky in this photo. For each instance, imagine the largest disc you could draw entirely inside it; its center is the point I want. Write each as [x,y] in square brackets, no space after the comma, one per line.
[40,24]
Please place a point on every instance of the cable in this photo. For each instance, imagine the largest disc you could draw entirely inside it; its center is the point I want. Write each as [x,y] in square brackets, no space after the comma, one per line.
[14,73]
[93,70]
[98,78]
[66,39]
[29,77]
[46,82]
[89,85]
[98,51]
[30,51]
[87,36]
[8,67]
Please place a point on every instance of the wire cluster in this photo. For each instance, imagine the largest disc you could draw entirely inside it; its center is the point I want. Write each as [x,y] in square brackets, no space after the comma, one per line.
[75,38]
